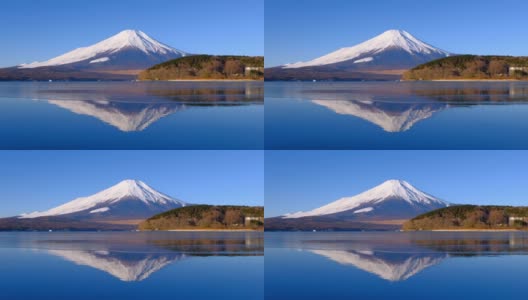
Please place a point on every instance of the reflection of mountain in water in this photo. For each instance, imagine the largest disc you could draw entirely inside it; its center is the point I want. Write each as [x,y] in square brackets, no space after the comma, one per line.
[399,256]
[134,256]
[124,116]
[125,266]
[389,266]
[392,117]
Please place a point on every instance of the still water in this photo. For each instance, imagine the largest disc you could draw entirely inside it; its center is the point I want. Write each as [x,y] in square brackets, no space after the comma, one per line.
[132,265]
[396,115]
[131,115]
[395,265]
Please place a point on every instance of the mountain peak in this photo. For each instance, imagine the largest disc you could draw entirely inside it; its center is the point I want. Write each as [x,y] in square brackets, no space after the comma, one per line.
[107,51]
[366,202]
[125,191]
[371,50]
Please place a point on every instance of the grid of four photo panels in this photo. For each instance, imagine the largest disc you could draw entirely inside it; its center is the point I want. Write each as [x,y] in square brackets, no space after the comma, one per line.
[263,149]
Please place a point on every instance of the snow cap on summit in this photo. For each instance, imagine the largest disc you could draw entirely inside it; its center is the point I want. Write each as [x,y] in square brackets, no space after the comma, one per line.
[388,190]
[101,201]
[99,52]
[364,52]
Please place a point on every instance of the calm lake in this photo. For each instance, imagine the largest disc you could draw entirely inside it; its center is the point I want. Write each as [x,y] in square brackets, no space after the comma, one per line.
[396,115]
[395,265]
[131,115]
[132,265]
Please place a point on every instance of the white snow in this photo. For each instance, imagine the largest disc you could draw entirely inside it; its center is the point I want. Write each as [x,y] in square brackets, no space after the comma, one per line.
[366,59]
[389,39]
[125,189]
[387,190]
[102,209]
[102,59]
[125,39]
[363,210]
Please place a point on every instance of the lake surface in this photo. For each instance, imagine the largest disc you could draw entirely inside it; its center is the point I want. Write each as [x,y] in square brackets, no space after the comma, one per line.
[396,115]
[132,265]
[395,265]
[131,115]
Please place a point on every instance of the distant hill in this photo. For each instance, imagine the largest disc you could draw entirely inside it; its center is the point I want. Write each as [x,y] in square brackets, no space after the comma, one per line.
[327,223]
[471,217]
[471,67]
[59,223]
[207,67]
[207,217]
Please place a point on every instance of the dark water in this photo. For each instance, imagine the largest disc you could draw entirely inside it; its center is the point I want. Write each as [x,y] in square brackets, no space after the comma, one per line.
[395,265]
[132,265]
[131,115]
[396,115]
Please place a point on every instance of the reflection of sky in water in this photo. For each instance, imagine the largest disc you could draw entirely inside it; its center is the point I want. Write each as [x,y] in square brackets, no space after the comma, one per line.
[384,264]
[131,115]
[398,256]
[136,256]
[399,115]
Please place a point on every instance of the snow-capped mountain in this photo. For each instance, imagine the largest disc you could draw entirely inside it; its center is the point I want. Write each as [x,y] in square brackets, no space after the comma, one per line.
[391,117]
[127,50]
[128,199]
[124,116]
[393,49]
[393,199]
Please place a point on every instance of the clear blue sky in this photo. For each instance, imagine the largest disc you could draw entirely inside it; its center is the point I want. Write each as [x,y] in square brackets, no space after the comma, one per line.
[303,180]
[39,180]
[34,30]
[302,30]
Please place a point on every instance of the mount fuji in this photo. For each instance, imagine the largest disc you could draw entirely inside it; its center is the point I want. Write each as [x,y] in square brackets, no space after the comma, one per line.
[123,55]
[129,199]
[388,55]
[389,203]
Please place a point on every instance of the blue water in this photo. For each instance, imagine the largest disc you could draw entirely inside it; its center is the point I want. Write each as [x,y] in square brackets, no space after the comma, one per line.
[131,115]
[130,265]
[395,265]
[396,115]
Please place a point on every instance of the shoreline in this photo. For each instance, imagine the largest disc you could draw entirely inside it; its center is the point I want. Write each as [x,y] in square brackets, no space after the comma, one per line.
[465,230]
[467,80]
[203,230]
[203,80]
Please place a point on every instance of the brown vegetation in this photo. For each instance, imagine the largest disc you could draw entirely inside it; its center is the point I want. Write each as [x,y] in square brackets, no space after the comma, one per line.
[207,67]
[469,217]
[470,67]
[207,217]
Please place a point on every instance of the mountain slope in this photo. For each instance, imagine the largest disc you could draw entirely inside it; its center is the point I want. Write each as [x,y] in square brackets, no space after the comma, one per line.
[128,199]
[395,48]
[394,198]
[120,57]
[383,57]
[384,207]
[129,49]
